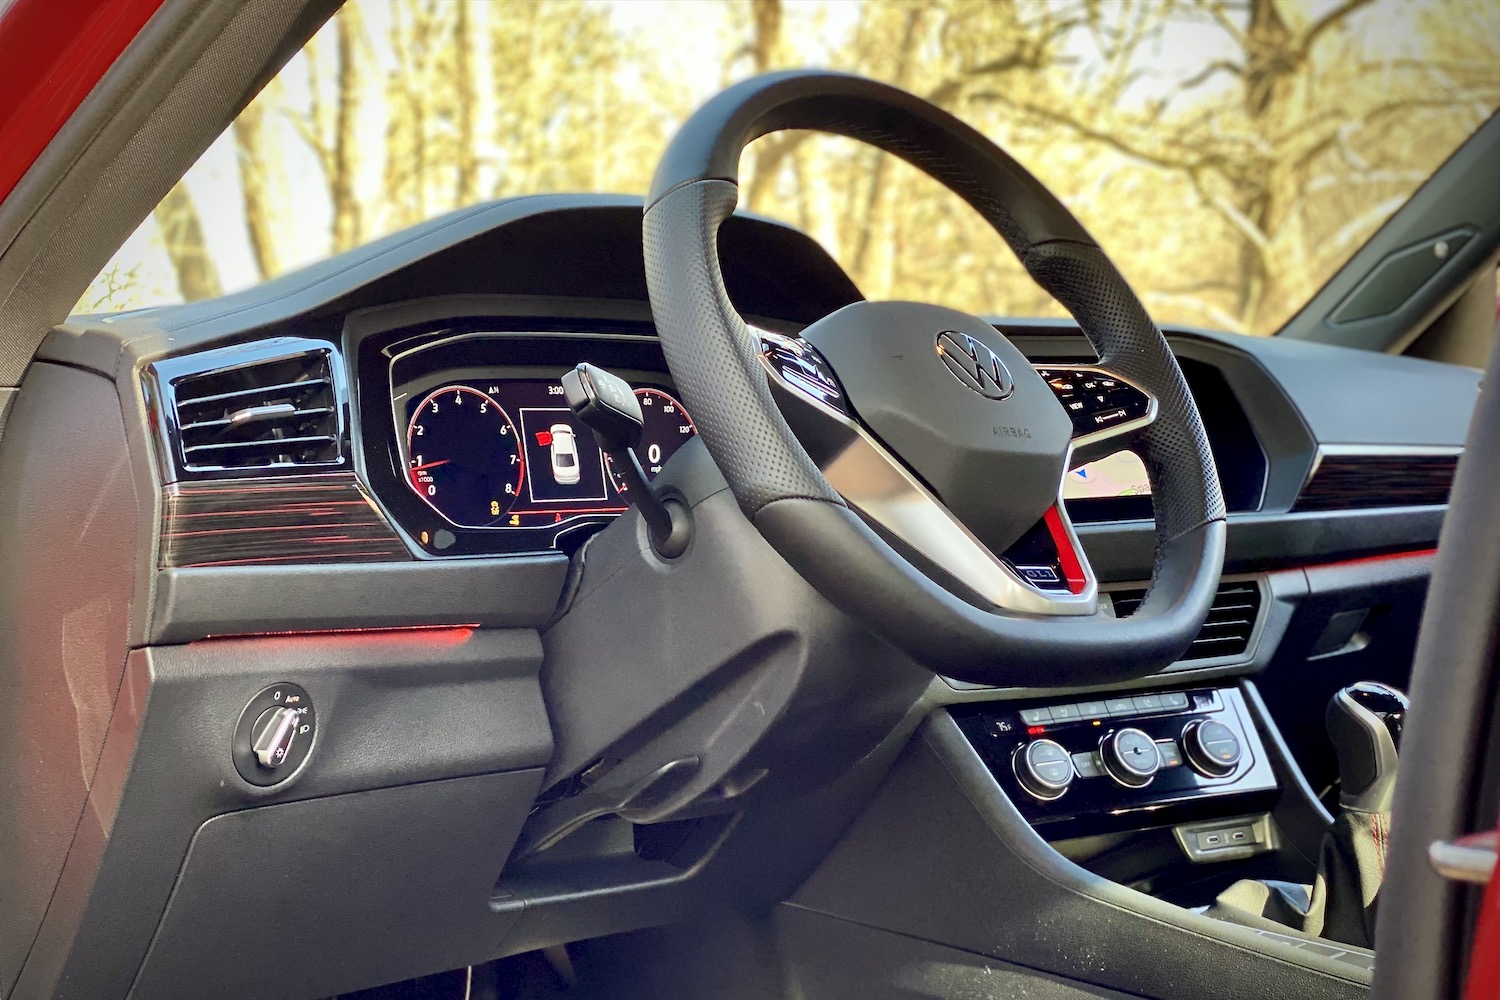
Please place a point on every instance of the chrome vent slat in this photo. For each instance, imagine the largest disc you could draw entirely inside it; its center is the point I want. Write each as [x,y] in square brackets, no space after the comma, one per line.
[268,443]
[275,414]
[302,414]
[257,391]
[1228,627]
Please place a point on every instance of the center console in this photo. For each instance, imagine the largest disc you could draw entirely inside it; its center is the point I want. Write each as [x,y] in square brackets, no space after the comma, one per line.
[1109,764]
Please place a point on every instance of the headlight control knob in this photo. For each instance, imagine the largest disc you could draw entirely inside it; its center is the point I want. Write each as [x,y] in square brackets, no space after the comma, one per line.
[1212,748]
[1130,757]
[273,734]
[1044,768]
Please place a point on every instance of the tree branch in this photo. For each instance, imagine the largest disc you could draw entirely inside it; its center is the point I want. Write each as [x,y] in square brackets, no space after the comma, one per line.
[1331,20]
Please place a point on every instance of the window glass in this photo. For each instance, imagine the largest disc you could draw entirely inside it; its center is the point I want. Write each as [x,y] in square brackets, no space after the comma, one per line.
[1229,156]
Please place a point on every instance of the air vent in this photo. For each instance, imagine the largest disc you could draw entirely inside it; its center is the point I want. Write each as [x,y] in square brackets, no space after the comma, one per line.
[1230,622]
[277,414]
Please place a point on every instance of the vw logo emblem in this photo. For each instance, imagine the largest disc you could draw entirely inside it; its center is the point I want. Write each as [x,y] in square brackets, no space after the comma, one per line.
[975,365]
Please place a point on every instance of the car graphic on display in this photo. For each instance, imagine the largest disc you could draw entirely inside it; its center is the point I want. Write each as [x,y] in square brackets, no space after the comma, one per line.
[564,455]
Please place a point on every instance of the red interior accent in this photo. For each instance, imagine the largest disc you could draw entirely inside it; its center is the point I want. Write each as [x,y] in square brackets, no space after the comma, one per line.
[1067,558]
[1484,960]
[52,53]
[1386,557]
[438,635]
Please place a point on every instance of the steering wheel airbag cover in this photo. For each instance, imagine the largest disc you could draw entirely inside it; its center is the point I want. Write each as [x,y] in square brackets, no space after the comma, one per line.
[995,463]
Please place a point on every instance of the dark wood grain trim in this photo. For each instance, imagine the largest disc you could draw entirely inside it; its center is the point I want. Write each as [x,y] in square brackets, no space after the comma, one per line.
[272,521]
[1352,482]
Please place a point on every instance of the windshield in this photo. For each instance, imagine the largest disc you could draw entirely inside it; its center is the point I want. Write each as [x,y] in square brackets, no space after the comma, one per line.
[1230,156]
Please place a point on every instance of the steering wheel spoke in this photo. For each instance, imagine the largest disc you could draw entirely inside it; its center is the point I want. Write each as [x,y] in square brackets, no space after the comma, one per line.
[1043,573]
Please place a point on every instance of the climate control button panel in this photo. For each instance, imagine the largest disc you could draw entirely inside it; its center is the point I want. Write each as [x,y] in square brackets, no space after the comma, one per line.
[1125,761]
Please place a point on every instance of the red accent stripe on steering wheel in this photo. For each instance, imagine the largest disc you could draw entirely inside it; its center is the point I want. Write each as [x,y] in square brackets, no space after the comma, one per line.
[1067,557]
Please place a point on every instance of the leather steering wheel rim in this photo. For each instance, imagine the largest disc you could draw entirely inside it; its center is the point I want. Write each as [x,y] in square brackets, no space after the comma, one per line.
[716,365]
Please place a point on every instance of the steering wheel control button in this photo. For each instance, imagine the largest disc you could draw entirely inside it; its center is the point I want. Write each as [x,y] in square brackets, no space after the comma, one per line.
[1130,757]
[1043,575]
[1096,400]
[1043,768]
[1212,748]
[274,735]
[802,367]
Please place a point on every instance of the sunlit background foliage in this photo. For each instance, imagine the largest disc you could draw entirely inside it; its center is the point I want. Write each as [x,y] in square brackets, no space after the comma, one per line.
[1229,154]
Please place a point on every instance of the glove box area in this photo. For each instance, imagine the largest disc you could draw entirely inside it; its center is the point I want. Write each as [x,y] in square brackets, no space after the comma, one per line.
[340,893]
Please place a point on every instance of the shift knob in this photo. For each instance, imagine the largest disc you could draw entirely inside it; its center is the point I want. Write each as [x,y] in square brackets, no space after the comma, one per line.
[1364,722]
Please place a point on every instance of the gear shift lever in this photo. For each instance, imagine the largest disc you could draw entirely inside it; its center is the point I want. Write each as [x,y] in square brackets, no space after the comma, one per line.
[1364,722]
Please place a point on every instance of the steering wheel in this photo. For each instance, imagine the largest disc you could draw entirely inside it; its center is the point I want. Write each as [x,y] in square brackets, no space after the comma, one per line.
[924,475]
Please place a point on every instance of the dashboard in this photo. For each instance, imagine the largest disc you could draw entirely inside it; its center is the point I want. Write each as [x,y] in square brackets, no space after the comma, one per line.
[440,437]
[359,479]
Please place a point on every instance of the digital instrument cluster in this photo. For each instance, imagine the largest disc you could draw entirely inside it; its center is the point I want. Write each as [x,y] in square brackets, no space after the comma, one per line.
[508,453]
[469,444]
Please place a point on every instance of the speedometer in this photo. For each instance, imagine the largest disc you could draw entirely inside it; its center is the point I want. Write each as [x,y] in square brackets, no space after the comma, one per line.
[464,457]
[667,427]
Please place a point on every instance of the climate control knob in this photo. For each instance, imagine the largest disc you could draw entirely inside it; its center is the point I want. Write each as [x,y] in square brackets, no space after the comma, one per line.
[1212,748]
[1044,768]
[1130,757]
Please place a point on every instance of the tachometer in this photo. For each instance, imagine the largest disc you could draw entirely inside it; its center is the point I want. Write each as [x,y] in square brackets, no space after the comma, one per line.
[667,428]
[464,456]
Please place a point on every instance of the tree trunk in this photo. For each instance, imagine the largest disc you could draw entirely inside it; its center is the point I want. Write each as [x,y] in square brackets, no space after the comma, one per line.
[466,98]
[348,225]
[255,170]
[1268,81]
[182,233]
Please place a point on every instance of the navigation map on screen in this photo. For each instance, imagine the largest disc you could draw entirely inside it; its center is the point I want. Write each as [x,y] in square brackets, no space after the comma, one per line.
[1119,475]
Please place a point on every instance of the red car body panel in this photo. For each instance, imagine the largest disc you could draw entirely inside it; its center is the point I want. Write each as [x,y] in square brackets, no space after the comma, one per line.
[52,54]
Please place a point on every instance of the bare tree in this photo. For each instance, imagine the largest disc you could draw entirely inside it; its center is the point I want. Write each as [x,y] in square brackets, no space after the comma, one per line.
[256,167]
[331,132]
[1251,161]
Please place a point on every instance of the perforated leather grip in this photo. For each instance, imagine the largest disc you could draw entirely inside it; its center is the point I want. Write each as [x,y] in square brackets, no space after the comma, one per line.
[713,357]
[1185,481]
